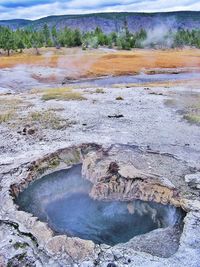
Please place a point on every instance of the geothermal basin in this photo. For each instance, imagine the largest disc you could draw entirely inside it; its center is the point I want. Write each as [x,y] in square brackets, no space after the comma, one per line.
[62,199]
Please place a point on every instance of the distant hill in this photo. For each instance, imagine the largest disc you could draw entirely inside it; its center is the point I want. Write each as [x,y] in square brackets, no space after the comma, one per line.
[15,23]
[114,21]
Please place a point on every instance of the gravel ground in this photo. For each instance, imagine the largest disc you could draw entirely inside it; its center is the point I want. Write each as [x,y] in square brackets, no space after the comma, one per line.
[140,118]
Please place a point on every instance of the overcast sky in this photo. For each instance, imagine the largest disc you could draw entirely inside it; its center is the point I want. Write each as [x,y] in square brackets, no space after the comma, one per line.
[32,9]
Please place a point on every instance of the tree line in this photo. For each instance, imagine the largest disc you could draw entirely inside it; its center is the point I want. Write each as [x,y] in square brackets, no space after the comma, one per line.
[20,39]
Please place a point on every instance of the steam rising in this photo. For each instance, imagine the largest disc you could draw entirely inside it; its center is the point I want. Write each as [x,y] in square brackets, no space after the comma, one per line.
[62,199]
[160,36]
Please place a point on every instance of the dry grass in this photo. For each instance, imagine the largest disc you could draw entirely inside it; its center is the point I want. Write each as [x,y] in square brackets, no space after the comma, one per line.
[11,102]
[188,105]
[72,59]
[131,62]
[8,102]
[47,120]
[99,91]
[65,94]
[193,118]
[5,117]
[9,106]
[98,63]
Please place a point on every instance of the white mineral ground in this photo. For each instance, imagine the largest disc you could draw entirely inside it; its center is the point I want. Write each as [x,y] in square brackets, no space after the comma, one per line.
[150,120]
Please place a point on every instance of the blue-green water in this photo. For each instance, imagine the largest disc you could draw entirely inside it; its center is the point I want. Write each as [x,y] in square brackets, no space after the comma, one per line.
[139,78]
[62,199]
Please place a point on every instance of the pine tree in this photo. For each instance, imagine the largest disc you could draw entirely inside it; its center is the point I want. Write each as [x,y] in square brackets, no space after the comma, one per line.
[7,42]
[46,33]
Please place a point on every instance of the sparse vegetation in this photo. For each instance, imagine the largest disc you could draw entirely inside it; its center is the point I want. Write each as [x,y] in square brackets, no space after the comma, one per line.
[189,107]
[10,102]
[47,119]
[99,91]
[65,94]
[8,108]
[5,117]
[20,245]
[54,163]
[193,118]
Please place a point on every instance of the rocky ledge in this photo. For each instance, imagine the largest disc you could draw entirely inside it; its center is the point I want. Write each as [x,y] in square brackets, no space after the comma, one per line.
[117,172]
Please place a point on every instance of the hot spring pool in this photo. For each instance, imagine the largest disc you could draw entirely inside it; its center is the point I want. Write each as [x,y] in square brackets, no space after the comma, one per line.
[62,200]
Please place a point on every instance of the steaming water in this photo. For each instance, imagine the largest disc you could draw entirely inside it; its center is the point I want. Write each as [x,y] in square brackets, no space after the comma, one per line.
[140,78]
[24,77]
[62,200]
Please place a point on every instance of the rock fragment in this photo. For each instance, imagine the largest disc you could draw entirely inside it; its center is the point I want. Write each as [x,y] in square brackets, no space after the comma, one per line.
[193,180]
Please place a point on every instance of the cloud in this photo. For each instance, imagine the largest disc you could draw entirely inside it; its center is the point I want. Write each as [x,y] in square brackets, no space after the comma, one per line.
[32,9]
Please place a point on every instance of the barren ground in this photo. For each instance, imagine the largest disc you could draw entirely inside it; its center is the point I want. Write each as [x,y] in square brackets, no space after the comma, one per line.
[39,115]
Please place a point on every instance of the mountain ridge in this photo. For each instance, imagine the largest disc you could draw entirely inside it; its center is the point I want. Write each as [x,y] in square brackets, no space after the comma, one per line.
[113,21]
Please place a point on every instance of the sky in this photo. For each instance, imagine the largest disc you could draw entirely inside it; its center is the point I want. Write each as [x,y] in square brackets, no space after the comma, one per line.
[34,9]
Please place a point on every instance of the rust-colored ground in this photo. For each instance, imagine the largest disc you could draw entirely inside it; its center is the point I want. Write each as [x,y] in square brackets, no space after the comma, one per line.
[142,60]
[100,62]
[62,58]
